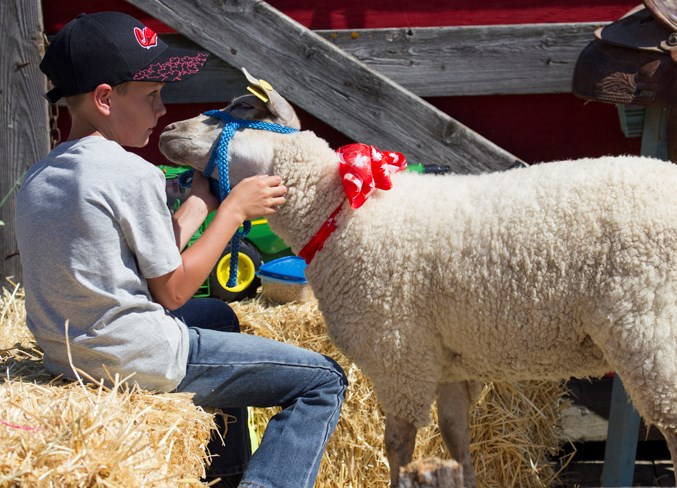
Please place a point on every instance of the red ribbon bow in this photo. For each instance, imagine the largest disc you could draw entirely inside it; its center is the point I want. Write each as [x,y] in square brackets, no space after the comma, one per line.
[364,168]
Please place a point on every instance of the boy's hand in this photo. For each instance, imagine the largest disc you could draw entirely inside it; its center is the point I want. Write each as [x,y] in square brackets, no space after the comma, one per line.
[257,196]
[200,189]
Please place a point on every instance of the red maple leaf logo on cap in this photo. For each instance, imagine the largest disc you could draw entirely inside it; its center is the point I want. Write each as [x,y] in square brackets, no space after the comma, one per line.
[146,37]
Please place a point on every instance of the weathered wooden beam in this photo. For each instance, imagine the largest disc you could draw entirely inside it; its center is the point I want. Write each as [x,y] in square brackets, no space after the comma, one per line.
[435,61]
[476,60]
[24,137]
[328,83]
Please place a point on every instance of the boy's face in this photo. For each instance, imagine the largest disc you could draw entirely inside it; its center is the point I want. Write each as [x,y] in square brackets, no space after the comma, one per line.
[135,110]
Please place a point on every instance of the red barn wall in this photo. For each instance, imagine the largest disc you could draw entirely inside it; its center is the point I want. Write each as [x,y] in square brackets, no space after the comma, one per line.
[533,127]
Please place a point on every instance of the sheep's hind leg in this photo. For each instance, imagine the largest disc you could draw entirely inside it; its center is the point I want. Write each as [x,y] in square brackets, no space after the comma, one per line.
[400,439]
[453,411]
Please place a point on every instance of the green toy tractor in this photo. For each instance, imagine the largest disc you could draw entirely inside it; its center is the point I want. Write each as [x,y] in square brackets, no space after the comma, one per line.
[259,246]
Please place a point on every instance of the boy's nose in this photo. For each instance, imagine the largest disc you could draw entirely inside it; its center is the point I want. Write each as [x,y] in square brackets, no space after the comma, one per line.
[160,109]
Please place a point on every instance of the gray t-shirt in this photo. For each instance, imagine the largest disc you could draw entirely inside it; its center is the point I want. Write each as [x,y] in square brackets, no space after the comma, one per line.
[92,225]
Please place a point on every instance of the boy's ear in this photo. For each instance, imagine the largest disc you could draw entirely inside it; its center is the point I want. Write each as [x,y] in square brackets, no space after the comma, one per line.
[102,98]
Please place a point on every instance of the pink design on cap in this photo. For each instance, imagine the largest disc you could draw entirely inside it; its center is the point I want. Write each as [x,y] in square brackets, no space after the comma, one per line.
[174,69]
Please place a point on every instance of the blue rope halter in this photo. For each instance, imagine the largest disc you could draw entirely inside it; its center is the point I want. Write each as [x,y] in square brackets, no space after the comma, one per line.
[219,160]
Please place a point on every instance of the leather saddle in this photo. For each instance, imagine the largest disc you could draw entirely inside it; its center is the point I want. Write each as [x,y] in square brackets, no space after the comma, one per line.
[632,60]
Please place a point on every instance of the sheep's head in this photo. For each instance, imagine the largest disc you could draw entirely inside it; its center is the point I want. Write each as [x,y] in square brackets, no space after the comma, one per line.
[190,142]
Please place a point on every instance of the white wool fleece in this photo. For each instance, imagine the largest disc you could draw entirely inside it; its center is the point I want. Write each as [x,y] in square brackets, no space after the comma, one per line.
[560,269]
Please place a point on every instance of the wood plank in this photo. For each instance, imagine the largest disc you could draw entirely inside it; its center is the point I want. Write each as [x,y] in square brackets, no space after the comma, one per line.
[323,80]
[621,440]
[478,60]
[24,137]
[435,62]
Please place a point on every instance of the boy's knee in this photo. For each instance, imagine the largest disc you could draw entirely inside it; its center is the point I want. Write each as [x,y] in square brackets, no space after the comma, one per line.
[227,316]
[338,375]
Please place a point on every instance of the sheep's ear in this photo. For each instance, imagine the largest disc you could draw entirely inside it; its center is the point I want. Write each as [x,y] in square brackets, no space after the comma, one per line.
[248,107]
[282,110]
[276,109]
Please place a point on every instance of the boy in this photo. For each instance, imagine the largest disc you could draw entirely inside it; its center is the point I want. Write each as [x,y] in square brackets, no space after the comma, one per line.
[114,266]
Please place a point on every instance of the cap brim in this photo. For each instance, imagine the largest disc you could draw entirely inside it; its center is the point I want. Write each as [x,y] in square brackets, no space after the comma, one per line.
[173,65]
[53,95]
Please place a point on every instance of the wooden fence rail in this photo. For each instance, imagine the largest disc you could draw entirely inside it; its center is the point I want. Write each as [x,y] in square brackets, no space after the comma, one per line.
[433,62]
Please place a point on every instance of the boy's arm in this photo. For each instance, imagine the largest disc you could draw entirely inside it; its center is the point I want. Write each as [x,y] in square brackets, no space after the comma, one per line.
[176,288]
[193,211]
[254,197]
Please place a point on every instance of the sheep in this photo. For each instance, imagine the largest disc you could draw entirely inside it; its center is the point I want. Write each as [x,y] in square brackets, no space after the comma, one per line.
[556,270]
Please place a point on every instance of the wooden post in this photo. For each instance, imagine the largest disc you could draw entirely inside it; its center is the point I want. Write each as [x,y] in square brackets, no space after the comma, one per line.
[329,83]
[24,137]
[621,439]
[432,473]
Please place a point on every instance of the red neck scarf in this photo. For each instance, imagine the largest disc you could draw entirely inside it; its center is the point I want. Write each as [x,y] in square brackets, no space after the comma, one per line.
[363,169]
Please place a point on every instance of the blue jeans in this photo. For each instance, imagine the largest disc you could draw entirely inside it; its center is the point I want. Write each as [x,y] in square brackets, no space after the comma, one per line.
[228,370]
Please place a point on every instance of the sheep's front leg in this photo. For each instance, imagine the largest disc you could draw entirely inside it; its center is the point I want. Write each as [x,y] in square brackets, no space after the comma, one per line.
[400,439]
[453,411]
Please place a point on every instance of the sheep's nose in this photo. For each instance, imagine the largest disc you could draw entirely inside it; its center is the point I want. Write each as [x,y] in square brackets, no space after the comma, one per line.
[169,127]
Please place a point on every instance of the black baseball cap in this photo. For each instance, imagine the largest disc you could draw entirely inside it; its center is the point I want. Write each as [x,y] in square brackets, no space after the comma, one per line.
[112,47]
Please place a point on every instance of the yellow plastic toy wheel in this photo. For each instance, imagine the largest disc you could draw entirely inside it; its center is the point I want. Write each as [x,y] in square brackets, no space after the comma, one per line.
[246,283]
[245,272]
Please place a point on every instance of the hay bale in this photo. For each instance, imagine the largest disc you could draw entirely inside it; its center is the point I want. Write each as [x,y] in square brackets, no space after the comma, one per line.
[514,426]
[68,434]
